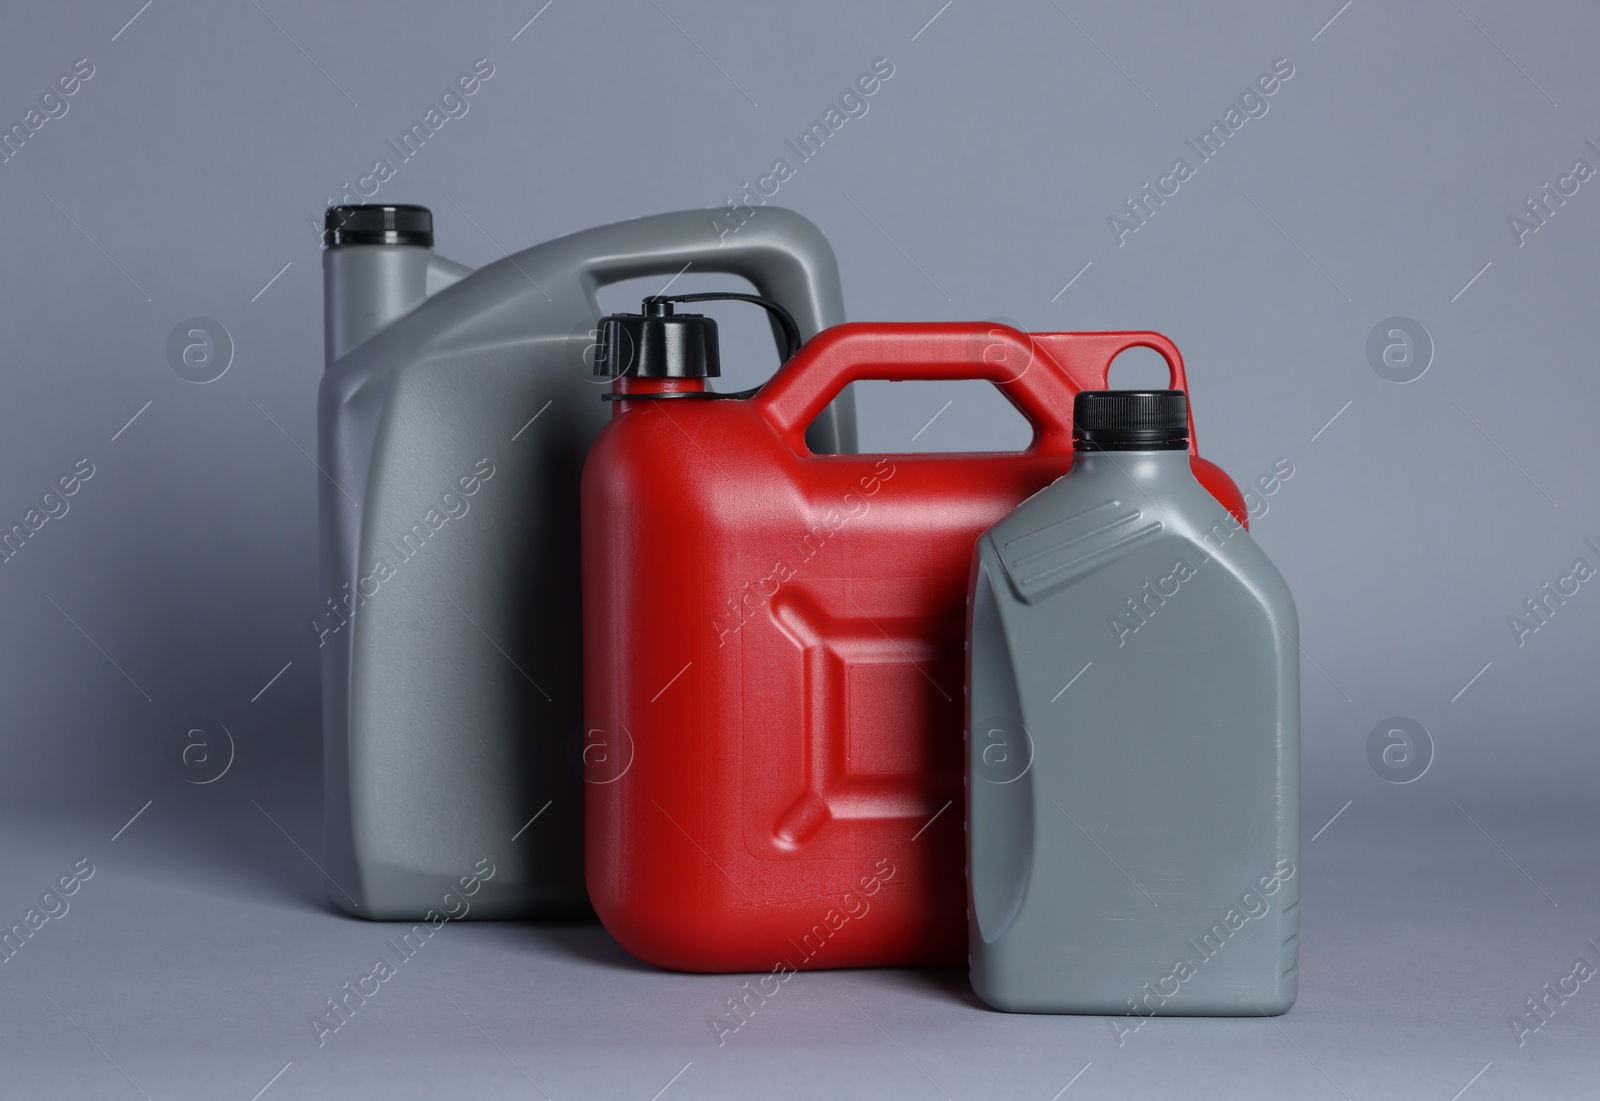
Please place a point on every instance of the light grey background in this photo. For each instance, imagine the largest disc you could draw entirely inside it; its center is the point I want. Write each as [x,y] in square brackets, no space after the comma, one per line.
[978,185]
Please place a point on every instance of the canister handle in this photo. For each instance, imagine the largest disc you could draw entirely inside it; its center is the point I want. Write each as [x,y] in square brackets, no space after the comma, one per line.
[783,254]
[1038,373]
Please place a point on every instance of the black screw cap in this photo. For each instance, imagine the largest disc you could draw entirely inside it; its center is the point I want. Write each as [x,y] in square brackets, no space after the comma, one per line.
[658,344]
[372,224]
[1130,420]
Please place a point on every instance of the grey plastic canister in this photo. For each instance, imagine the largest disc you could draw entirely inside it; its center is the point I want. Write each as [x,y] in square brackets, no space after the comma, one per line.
[1133,755]
[456,410]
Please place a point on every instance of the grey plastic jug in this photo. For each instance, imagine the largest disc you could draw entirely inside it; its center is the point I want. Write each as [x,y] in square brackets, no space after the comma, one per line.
[455,413]
[1133,757]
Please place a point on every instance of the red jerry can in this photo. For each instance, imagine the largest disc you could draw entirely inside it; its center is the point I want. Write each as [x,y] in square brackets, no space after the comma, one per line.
[773,643]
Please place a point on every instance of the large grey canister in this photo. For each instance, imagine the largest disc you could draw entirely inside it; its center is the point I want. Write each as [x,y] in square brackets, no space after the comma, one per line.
[457,407]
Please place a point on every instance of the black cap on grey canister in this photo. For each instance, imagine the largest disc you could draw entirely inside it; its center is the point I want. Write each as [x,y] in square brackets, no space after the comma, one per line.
[1130,420]
[372,224]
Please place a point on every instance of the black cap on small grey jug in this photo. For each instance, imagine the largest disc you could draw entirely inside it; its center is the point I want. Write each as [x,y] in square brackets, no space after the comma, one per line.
[1130,420]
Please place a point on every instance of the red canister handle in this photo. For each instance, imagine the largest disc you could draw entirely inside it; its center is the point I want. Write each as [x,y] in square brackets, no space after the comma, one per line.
[1038,373]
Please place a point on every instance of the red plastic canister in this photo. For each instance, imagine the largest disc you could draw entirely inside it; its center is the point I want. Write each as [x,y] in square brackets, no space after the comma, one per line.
[773,651]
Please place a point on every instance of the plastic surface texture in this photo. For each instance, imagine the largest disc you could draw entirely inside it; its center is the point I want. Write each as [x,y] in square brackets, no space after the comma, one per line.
[455,414]
[1133,752]
[773,653]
